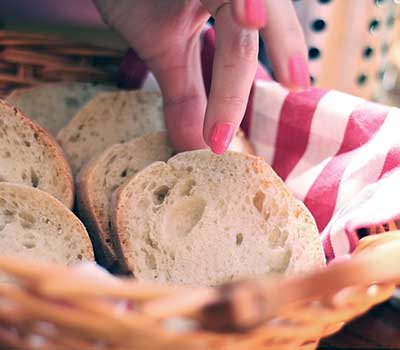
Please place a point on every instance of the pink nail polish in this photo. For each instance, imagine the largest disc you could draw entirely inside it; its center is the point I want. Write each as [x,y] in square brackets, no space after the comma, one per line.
[255,12]
[221,137]
[299,75]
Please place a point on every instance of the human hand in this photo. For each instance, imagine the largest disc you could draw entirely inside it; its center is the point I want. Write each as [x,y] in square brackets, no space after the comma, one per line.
[165,34]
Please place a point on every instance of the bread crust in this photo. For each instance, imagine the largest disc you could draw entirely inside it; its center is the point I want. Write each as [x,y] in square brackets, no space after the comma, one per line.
[59,100]
[91,206]
[60,213]
[50,144]
[86,211]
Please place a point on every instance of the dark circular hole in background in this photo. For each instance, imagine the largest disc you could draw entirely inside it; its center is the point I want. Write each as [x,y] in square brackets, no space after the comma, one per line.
[318,25]
[374,25]
[313,53]
[368,52]
[362,79]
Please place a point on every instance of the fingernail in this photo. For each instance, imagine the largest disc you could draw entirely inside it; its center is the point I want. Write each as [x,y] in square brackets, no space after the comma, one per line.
[221,137]
[255,12]
[299,75]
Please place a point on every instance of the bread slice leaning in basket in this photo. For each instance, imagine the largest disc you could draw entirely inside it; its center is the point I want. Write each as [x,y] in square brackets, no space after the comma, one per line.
[30,156]
[98,180]
[104,174]
[117,117]
[36,226]
[203,219]
[107,119]
[53,105]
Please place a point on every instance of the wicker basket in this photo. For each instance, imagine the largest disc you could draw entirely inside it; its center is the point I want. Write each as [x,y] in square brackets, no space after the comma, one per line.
[53,307]
[28,59]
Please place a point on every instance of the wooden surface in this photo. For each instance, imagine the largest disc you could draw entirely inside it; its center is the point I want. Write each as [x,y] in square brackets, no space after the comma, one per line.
[379,329]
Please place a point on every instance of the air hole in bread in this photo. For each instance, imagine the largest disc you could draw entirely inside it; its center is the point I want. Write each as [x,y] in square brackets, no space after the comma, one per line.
[239,239]
[79,257]
[124,173]
[258,201]
[7,154]
[188,187]
[36,136]
[34,178]
[24,176]
[181,218]
[150,260]
[26,225]
[27,143]
[160,194]
[150,242]
[25,216]
[9,213]
[29,245]
[280,265]
[75,137]
[277,237]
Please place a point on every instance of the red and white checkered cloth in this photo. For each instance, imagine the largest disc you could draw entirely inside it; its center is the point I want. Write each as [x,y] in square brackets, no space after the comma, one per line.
[338,153]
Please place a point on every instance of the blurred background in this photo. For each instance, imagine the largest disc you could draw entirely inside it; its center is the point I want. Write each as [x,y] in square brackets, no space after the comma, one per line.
[353,46]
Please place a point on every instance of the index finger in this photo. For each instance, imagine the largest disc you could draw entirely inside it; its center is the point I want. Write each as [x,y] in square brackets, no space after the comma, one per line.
[235,63]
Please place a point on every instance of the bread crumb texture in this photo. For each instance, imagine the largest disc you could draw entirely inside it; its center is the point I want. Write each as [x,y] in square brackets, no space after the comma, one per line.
[30,157]
[202,219]
[47,232]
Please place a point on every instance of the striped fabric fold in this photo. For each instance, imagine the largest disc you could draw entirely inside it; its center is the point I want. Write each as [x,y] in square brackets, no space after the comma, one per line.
[338,153]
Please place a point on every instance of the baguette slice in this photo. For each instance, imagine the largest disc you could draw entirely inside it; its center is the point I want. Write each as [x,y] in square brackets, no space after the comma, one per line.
[202,219]
[53,105]
[104,174]
[98,180]
[30,156]
[117,117]
[36,226]
[107,119]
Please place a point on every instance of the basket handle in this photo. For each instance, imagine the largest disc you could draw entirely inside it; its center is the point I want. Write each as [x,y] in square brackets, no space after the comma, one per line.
[247,304]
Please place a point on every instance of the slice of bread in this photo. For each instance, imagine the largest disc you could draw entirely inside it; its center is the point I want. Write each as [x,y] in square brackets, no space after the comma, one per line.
[53,105]
[30,156]
[202,219]
[107,119]
[118,117]
[104,174]
[36,226]
[98,180]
